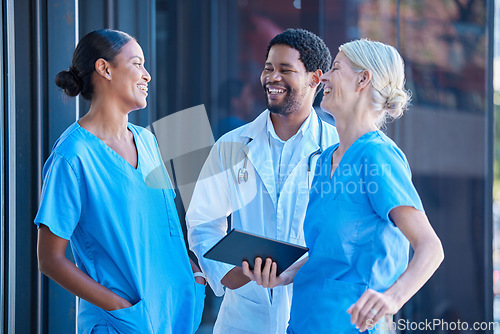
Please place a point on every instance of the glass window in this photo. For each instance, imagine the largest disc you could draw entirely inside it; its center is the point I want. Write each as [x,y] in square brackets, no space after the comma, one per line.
[212,53]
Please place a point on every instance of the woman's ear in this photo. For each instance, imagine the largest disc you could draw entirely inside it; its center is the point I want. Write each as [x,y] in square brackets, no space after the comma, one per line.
[315,80]
[102,68]
[364,79]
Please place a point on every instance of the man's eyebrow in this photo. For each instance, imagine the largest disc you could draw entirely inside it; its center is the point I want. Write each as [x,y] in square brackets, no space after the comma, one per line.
[140,58]
[336,62]
[281,64]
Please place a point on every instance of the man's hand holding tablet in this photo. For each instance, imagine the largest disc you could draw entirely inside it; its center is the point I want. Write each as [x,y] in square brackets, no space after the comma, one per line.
[266,276]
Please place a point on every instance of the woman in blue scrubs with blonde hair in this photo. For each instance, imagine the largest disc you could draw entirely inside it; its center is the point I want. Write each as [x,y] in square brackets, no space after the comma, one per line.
[132,272]
[363,211]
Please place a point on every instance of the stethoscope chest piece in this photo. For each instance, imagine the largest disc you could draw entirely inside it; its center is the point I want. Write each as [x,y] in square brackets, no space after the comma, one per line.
[242,172]
[242,175]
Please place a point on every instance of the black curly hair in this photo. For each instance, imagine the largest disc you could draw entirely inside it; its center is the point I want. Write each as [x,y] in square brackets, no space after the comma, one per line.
[314,53]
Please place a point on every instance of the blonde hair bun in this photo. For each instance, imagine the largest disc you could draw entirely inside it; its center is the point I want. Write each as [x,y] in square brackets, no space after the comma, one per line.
[389,98]
[396,102]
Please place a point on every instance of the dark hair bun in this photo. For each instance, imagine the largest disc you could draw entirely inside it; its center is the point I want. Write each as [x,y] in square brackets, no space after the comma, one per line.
[70,82]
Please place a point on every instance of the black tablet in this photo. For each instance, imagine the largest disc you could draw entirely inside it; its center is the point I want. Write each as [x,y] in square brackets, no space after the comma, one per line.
[237,246]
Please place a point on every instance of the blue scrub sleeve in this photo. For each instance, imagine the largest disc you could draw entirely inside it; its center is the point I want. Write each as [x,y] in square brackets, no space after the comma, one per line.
[388,180]
[60,204]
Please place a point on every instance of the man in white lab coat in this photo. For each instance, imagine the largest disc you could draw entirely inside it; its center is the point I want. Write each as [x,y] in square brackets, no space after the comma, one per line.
[258,175]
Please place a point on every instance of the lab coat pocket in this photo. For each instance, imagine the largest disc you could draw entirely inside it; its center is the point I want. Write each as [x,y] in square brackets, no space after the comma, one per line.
[199,304]
[134,319]
[246,309]
[248,292]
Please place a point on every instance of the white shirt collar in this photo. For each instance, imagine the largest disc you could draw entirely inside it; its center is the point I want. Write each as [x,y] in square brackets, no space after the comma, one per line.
[303,128]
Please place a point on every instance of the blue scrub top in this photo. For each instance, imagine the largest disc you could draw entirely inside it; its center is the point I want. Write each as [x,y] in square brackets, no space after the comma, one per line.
[353,244]
[123,234]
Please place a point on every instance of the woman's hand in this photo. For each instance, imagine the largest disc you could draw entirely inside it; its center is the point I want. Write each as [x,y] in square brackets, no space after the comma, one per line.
[370,308]
[120,303]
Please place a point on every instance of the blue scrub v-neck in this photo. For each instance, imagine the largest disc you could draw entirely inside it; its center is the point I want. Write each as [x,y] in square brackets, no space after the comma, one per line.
[333,148]
[113,152]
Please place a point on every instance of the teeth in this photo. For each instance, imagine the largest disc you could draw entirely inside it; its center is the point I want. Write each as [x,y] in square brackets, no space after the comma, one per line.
[144,88]
[275,91]
[327,90]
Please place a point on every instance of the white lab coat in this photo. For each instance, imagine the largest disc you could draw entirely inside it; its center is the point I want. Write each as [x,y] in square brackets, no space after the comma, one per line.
[254,207]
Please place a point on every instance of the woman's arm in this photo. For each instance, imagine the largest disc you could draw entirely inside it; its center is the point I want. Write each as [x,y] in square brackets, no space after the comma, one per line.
[267,275]
[53,263]
[196,269]
[428,255]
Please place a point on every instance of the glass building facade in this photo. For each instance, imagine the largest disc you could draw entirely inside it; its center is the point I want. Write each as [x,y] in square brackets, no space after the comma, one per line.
[211,53]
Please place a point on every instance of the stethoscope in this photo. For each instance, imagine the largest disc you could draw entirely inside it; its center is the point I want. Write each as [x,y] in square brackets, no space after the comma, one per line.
[243,173]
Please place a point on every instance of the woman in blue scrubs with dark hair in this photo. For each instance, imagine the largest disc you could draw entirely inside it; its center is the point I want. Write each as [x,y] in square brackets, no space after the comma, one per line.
[363,211]
[132,272]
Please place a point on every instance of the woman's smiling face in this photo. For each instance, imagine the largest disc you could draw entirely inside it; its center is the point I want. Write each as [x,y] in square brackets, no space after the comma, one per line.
[129,76]
[340,90]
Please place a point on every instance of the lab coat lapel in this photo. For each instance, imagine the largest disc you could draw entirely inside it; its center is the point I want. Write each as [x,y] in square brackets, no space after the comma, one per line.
[259,153]
[310,141]
[308,145]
